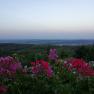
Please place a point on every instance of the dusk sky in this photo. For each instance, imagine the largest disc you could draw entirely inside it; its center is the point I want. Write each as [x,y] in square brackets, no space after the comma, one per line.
[46,19]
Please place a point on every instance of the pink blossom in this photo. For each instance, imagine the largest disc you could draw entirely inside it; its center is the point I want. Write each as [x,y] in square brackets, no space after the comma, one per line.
[80,65]
[41,66]
[53,54]
[15,66]
[9,65]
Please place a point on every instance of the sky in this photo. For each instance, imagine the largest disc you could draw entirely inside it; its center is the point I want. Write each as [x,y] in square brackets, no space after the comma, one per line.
[46,19]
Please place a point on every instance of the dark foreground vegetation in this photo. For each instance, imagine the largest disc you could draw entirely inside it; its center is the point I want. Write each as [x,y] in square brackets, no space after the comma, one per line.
[46,69]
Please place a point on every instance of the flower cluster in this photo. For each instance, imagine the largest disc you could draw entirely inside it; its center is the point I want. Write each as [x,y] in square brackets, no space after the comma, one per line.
[9,65]
[53,54]
[41,66]
[80,66]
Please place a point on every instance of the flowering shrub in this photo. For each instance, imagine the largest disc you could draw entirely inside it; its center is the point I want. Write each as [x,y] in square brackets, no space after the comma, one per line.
[79,66]
[41,66]
[40,77]
[9,65]
[53,54]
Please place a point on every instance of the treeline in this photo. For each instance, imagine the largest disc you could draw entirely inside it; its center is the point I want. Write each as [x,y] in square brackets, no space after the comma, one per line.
[85,52]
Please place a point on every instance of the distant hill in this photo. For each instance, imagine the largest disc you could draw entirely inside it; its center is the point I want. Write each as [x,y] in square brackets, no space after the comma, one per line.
[52,42]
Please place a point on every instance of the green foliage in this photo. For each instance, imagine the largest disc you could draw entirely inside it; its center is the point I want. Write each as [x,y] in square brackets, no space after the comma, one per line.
[85,52]
[62,81]
[66,54]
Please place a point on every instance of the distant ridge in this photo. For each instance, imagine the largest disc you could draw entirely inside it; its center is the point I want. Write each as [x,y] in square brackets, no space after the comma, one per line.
[50,42]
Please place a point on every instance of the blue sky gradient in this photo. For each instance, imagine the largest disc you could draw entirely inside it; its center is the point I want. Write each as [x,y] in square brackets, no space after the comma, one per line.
[50,19]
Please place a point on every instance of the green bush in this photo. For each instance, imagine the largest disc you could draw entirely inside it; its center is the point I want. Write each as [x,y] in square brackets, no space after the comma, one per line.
[85,52]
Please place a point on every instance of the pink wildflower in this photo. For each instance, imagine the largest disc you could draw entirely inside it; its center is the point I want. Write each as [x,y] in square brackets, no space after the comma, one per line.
[41,66]
[80,65]
[53,54]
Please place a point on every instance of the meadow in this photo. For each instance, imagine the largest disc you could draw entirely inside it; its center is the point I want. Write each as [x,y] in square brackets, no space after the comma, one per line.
[46,69]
